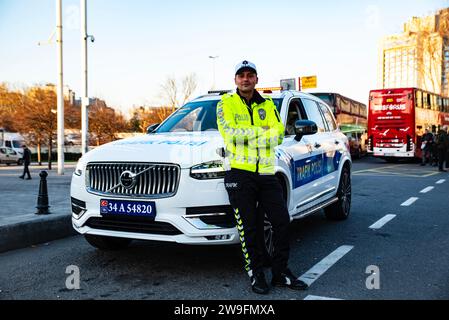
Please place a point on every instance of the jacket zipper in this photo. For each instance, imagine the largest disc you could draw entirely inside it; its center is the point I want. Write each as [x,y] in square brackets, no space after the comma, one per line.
[250,111]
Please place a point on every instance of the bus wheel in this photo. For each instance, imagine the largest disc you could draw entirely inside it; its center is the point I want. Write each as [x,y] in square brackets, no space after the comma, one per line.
[340,210]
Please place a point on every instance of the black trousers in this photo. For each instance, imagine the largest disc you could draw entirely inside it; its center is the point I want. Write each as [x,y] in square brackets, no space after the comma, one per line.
[26,170]
[250,195]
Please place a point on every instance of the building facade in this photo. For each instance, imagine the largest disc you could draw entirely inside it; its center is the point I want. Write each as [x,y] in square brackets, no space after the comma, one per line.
[418,57]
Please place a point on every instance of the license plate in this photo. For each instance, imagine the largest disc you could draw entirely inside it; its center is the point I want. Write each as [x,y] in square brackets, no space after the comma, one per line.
[128,208]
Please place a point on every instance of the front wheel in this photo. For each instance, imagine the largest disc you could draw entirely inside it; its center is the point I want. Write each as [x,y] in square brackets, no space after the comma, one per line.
[340,210]
[107,243]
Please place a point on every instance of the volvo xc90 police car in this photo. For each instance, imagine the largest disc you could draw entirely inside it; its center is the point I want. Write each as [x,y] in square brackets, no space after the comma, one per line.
[168,185]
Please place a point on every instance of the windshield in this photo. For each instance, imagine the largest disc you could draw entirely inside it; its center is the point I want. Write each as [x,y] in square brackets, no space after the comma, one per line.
[196,116]
[17,143]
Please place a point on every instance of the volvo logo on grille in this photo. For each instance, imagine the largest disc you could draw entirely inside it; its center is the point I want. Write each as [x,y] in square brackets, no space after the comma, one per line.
[128,179]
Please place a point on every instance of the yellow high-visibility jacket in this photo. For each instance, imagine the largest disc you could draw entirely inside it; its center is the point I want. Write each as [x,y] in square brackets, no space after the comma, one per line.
[250,133]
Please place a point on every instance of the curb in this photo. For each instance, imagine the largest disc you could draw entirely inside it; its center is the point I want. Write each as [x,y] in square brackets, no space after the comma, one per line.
[24,234]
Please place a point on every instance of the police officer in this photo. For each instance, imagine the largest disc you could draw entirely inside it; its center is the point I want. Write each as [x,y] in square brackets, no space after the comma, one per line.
[251,127]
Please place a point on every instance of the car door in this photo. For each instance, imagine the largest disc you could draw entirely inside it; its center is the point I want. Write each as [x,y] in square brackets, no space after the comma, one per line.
[332,147]
[3,155]
[320,147]
[297,154]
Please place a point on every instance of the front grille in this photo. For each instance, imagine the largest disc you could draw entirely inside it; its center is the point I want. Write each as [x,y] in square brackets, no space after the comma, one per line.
[133,225]
[152,180]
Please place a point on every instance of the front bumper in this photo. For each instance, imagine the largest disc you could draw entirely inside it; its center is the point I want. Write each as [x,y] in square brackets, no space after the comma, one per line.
[178,218]
[393,152]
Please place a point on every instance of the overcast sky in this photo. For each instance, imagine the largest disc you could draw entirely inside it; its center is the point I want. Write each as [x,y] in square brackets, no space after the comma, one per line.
[139,43]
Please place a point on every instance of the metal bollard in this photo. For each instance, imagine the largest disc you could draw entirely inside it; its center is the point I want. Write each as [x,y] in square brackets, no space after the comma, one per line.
[42,199]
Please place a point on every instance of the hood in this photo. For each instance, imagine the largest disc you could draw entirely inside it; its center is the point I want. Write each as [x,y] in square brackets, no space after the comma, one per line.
[182,148]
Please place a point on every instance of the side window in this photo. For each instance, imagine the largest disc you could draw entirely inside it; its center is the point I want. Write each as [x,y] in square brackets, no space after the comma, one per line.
[295,112]
[329,118]
[8,144]
[313,113]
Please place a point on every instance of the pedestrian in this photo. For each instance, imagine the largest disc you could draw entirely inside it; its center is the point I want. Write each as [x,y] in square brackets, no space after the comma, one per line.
[251,128]
[426,147]
[442,146]
[26,162]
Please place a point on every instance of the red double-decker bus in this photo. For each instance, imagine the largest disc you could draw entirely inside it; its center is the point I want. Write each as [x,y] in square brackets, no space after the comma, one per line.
[397,119]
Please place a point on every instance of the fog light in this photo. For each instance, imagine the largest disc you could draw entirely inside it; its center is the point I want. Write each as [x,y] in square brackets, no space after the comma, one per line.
[219,237]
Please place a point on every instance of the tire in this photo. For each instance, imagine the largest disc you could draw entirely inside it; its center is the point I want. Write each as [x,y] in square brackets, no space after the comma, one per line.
[20,162]
[107,243]
[266,242]
[340,210]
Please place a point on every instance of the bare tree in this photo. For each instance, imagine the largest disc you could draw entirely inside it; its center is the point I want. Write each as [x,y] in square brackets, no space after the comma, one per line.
[105,123]
[37,117]
[170,90]
[431,39]
[189,85]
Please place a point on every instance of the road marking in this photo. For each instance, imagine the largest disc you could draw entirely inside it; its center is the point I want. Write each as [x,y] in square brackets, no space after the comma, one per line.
[425,190]
[386,167]
[409,202]
[312,297]
[321,267]
[380,223]
[441,181]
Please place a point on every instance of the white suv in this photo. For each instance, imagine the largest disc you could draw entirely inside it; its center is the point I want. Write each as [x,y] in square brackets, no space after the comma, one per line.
[168,185]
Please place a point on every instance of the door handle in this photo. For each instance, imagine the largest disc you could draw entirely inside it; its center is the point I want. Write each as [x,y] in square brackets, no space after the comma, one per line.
[317,145]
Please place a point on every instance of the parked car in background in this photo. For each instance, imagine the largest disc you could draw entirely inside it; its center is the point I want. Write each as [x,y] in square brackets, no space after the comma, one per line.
[9,156]
[72,139]
[12,140]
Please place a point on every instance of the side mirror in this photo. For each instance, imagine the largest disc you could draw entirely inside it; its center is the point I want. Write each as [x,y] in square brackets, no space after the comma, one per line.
[152,128]
[304,128]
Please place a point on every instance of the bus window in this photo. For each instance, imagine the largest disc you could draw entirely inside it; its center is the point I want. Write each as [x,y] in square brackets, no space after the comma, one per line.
[427,101]
[434,105]
[418,98]
[363,111]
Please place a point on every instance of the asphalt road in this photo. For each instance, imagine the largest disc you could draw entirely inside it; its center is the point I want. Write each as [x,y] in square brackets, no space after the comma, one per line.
[409,253]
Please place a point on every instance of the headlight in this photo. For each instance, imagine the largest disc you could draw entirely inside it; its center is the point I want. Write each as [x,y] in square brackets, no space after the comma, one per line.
[79,169]
[208,170]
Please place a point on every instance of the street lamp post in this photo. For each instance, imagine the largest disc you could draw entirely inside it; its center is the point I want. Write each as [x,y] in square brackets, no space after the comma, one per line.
[60,93]
[85,95]
[213,70]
